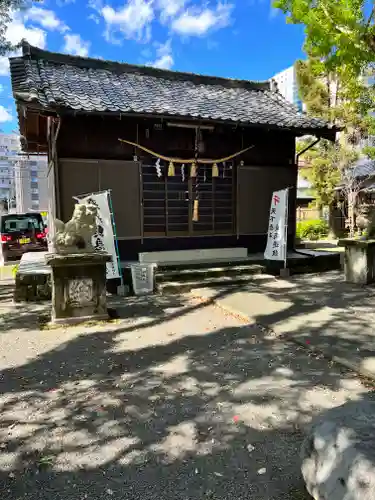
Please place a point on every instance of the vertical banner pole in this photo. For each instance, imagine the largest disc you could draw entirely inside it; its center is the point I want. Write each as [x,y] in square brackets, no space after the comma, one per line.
[286,226]
[115,236]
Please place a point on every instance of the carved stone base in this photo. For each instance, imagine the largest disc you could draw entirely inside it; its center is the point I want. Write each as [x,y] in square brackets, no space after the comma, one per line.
[359,261]
[78,287]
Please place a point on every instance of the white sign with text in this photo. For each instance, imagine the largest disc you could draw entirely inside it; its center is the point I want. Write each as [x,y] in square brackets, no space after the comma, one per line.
[104,240]
[277,227]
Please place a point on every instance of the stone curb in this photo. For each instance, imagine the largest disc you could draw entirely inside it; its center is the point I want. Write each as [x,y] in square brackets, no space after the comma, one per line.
[337,359]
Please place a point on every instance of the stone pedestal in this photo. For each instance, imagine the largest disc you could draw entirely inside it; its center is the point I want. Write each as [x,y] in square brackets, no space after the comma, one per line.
[359,261]
[78,287]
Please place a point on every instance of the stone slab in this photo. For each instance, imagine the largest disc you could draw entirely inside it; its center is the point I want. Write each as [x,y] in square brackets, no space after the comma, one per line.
[348,242]
[33,278]
[34,263]
[78,319]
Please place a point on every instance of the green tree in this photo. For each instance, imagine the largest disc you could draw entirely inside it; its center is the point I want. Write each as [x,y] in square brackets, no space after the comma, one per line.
[341,97]
[326,166]
[337,96]
[325,95]
[6,9]
[341,33]
[340,48]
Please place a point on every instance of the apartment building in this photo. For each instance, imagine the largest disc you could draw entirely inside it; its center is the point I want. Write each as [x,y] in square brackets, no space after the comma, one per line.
[288,87]
[9,150]
[23,179]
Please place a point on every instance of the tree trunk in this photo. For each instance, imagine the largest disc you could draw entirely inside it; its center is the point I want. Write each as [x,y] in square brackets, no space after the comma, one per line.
[351,212]
[335,221]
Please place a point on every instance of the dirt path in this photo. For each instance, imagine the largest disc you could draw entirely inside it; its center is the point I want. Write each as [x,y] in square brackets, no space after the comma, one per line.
[177,400]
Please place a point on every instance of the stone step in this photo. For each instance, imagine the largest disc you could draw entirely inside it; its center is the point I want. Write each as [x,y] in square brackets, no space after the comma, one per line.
[198,273]
[181,286]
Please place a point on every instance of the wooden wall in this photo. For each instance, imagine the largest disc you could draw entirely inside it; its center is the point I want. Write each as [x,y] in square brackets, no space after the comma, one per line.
[96,138]
[79,177]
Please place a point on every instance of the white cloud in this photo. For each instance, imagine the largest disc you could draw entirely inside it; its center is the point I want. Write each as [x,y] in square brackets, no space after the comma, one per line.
[170,8]
[198,21]
[132,20]
[95,18]
[164,62]
[17,30]
[46,18]
[4,66]
[164,57]
[1,88]
[5,116]
[75,45]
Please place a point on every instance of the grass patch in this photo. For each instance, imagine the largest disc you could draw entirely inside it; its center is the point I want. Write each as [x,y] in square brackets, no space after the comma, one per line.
[15,270]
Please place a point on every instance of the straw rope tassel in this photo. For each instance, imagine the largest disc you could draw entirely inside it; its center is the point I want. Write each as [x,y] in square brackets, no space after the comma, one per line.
[215,170]
[193,170]
[195,211]
[171,169]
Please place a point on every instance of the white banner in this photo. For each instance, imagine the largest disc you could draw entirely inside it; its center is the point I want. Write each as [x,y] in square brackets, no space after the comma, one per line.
[103,240]
[277,227]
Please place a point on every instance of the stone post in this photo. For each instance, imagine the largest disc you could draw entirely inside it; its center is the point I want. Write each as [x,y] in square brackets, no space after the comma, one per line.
[359,260]
[78,287]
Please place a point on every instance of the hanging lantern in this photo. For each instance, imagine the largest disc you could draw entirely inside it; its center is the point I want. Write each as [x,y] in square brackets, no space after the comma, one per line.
[183,172]
[215,170]
[170,169]
[193,170]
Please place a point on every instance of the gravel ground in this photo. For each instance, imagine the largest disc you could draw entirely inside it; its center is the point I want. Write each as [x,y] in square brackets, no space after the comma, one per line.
[175,400]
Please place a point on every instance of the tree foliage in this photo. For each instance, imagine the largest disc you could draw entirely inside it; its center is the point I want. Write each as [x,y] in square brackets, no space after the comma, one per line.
[327,163]
[337,97]
[341,33]
[6,9]
[340,48]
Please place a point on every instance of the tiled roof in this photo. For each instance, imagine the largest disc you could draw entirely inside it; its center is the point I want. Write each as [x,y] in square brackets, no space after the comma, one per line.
[363,167]
[61,82]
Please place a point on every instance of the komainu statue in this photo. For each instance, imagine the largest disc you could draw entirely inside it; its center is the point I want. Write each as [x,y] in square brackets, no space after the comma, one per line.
[75,236]
[365,220]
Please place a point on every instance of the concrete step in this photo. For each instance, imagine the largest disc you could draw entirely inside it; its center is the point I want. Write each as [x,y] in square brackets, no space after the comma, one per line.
[191,255]
[181,286]
[199,273]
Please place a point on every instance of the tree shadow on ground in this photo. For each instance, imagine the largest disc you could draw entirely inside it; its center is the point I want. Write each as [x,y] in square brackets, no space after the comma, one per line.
[6,291]
[150,310]
[334,317]
[211,414]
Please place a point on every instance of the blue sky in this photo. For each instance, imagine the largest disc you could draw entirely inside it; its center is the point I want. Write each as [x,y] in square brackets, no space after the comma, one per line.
[239,39]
